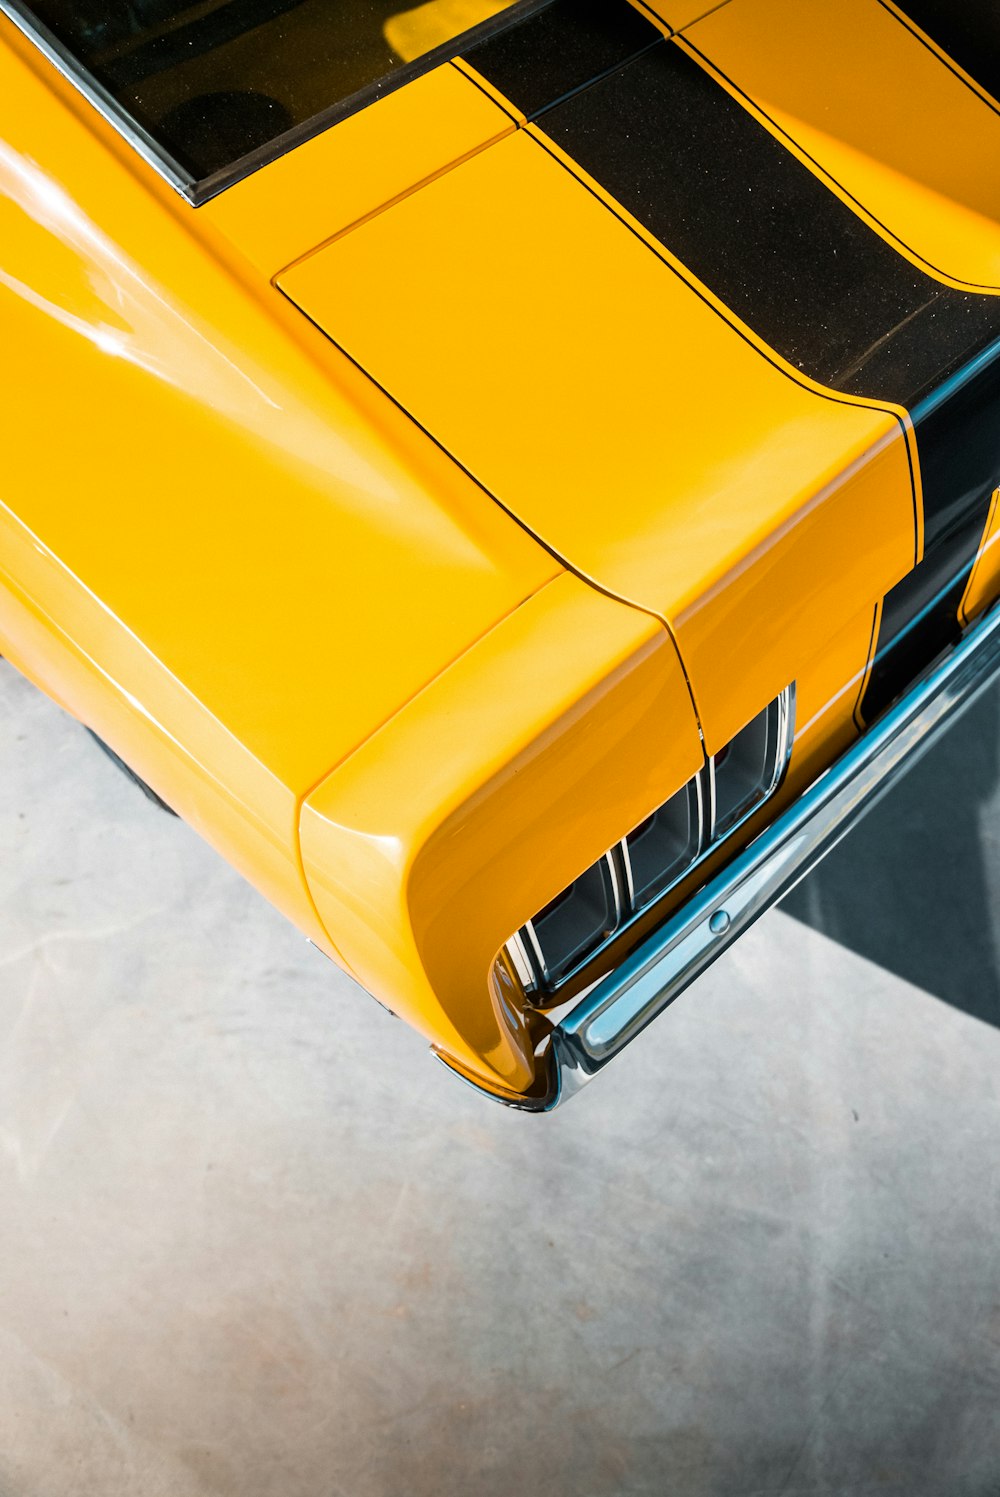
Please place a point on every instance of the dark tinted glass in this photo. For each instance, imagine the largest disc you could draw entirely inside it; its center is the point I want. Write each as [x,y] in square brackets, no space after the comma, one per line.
[213,82]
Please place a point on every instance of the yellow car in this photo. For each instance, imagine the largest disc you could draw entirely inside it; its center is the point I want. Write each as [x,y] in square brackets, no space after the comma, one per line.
[518,479]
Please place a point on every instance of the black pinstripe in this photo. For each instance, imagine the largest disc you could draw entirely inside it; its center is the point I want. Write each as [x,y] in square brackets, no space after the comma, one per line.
[821,288]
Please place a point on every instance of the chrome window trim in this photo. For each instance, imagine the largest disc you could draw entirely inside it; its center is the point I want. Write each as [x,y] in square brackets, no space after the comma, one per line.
[107,106]
[198,190]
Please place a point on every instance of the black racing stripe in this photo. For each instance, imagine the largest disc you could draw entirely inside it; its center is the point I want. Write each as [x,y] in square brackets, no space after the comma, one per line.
[819,286]
[765,234]
[967,30]
[958,436]
[561,48]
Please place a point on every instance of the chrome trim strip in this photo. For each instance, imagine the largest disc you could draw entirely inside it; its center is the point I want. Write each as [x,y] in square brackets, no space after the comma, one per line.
[621,1006]
[536,958]
[520,961]
[104,102]
[785,735]
[198,190]
[621,908]
[704,839]
[708,774]
[627,865]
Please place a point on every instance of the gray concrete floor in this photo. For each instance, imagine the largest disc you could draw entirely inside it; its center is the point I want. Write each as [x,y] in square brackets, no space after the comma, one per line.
[254,1243]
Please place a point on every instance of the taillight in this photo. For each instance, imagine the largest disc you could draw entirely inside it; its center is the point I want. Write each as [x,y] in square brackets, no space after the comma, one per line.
[574,924]
[654,857]
[750,766]
[661,850]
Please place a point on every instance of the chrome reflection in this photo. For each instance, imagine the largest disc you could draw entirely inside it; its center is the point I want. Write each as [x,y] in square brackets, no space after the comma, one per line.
[107,107]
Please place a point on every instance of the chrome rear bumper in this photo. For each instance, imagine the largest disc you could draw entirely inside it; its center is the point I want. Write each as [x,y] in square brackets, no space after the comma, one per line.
[618,1008]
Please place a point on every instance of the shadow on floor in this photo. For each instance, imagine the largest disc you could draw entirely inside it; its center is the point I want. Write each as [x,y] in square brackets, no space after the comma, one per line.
[916,886]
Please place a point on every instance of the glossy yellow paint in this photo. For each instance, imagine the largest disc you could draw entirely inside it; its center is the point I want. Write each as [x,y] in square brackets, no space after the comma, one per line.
[677,14]
[984,583]
[825,726]
[565,726]
[305,625]
[209,536]
[877,112]
[710,487]
[418,29]
[929,41]
[370,159]
[828,694]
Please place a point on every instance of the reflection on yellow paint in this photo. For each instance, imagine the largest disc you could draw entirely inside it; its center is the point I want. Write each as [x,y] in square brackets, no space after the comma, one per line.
[892,124]
[413,33]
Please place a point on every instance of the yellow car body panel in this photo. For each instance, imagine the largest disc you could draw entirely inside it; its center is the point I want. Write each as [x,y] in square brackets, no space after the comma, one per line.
[675,15]
[370,160]
[518,767]
[234,550]
[415,515]
[716,491]
[984,582]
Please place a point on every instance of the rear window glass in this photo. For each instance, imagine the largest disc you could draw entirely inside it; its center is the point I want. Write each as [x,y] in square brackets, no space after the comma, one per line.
[213,82]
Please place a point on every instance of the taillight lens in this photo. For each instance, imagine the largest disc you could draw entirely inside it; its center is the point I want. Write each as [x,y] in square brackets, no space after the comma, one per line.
[575,923]
[665,845]
[657,854]
[749,768]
